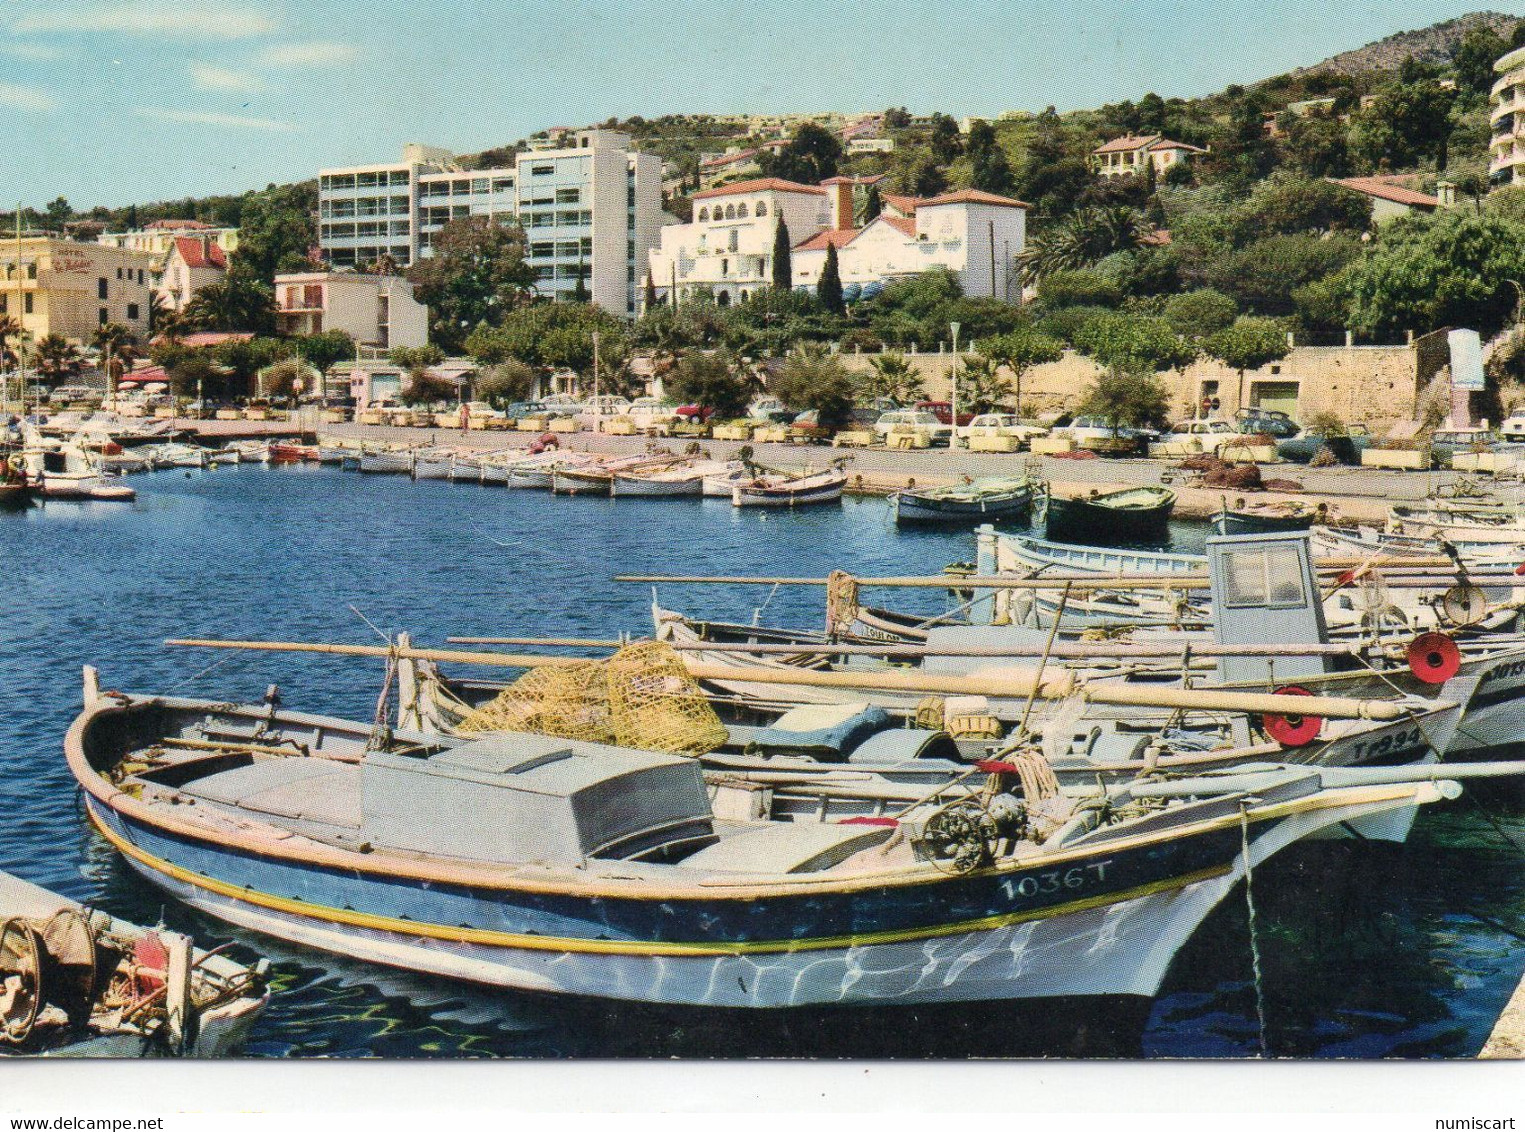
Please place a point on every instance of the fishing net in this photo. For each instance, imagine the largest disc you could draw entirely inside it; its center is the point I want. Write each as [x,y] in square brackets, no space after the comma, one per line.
[567,701]
[656,705]
[640,697]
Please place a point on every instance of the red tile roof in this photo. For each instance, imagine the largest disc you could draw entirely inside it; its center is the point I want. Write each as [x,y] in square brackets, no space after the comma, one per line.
[1385,190]
[728,158]
[213,338]
[832,236]
[199,254]
[902,224]
[1130,142]
[761,185]
[900,202]
[974,196]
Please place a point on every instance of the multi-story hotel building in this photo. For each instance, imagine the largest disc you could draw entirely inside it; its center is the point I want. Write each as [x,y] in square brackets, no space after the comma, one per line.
[590,207]
[1506,148]
[55,286]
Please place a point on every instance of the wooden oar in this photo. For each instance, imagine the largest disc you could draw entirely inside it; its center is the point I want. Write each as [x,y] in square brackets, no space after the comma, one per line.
[1002,682]
[1069,650]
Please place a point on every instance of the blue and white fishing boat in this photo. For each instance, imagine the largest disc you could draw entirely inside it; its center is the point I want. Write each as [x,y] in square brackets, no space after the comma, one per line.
[992,499]
[571,867]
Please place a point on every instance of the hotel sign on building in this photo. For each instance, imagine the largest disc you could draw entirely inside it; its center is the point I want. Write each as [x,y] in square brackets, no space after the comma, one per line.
[56,286]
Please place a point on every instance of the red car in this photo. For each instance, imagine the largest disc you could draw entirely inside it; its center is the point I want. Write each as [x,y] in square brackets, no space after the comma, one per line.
[700,413]
[943,411]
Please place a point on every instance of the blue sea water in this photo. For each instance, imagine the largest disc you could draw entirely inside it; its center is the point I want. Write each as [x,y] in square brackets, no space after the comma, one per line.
[1366,950]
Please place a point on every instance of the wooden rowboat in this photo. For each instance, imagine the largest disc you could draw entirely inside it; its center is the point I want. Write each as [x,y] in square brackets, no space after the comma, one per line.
[988,500]
[790,491]
[1136,514]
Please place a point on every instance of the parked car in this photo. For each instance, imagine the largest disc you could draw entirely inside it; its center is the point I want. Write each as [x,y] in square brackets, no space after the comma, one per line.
[1200,436]
[1084,428]
[943,410]
[1446,442]
[1000,424]
[694,413]
[1513,428]
[1271,422]
[649,412]
[1347,446]
[915,421]
[521,409]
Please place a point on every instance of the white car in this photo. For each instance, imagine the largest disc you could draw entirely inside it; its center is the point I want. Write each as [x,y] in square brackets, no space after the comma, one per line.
[1000,424]
[1200,436]
[913,421]
[650,412]
[1513,428]
[1099,428]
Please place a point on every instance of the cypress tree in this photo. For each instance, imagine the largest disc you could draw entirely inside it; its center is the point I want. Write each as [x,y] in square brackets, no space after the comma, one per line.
[580,292]
[829,288]
[872,206]
[650,298]
[783,265]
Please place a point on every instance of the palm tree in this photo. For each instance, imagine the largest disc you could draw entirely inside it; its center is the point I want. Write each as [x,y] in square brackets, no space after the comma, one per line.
[980,384]
[57,357]
[119,345]
[892,375]
[10,328]
[1086,238]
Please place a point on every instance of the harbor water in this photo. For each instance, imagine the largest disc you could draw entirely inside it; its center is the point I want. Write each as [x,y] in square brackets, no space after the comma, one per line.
[1366,950]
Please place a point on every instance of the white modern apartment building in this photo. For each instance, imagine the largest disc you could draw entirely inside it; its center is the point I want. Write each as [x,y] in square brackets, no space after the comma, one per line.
[376,310]
[590,207]
[1506,148]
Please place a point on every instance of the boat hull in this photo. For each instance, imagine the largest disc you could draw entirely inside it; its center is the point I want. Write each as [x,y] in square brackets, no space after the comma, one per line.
[637,487]
[565,482]
[913,508]
[1106,925]
[1238,523]
[1083,518]
[386,463]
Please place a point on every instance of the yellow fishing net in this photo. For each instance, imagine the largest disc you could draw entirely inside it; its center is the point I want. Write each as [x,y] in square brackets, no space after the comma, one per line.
[640,697]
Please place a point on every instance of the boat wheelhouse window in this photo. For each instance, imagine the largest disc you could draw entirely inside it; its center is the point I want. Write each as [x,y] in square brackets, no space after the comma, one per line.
[1270,576]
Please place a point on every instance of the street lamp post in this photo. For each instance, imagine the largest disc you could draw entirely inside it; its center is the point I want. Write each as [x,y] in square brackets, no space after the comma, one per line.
[953,437]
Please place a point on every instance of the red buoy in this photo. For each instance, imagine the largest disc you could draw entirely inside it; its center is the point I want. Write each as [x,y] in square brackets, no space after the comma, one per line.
[1434,658]
[1293,730]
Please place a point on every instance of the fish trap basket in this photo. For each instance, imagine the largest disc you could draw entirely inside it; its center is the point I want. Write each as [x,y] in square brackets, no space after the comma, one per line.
[655,705]
[567,701]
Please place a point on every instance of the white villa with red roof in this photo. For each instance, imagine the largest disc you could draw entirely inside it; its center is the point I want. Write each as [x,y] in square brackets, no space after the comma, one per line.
[727,250]
[1130,156]
[192,263]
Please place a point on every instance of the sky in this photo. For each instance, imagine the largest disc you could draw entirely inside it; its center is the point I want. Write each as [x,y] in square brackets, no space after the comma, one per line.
[110,103]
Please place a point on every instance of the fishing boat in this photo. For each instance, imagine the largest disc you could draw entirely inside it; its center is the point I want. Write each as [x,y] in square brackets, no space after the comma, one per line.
[1487,527]
[596,477]
[288,452]
[178,455]
[251,451]
[722,486]
[1135,514]
[988,500]
[1255,518]
[684,479]
[505,860]
[536,472]
[386,461]
[224,456]
[77,982]
[68,472]
[786,490]
[433,463]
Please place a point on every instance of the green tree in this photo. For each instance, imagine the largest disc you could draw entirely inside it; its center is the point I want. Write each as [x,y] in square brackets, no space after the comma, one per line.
[322,351]
[1318,147]
[989,169]
[811,156]
[812,378]
[1407,121]
[1126,399]
[503,384]
[1248,344]
[1197,314]
[1284,206]
[553,336]
[828,289]
[1078,288]
[1086,238]
[10,328]
[873,205]
[59,213]
[944,139]
[1263,275]
[1455,269]
[1020,350]
[277,231]
[233,304]
[893,375]
[476,276]
[649,296]
[718,381]
[424,388]
[783,262]
[1135,345]
[1472,59]
[981,388]
[120,344]
[56,358]
[192,374]
[414,358]
[241,359]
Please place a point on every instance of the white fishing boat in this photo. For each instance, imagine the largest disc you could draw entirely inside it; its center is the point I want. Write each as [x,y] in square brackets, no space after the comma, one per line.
[251,451]
[180,456]
[686,479]
[433,463]
[790,490]
[387,461]
[722,486]
[64,471]
[224,456]
[596,477]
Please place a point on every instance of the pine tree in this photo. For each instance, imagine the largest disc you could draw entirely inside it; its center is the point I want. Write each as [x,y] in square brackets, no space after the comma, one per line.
[829,288]
[872,206]
[783,265]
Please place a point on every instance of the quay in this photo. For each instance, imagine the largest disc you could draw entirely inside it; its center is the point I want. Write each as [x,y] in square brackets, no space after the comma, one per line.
[1353,493]
[1507,1042]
